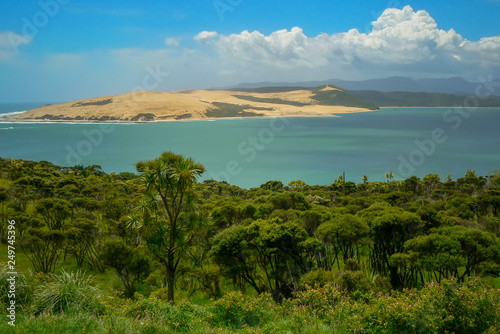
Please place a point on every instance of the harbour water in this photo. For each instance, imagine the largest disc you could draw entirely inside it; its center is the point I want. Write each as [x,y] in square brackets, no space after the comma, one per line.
[249,152]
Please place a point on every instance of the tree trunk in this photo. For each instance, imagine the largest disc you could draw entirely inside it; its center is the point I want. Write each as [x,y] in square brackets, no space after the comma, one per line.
[171,264]
[170,284]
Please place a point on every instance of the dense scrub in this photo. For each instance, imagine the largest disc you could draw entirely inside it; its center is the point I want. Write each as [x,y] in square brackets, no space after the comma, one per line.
[104,252]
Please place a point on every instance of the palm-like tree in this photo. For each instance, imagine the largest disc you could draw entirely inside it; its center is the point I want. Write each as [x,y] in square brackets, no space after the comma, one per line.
[169,177]
[389,176]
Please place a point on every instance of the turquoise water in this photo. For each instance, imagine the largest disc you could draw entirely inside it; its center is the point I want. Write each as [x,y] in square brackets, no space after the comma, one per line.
[249,152]
[18,107]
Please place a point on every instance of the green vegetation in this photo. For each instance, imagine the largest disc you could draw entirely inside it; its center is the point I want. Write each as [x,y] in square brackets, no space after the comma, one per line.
[341,98]
[94,103]
[407,99]
[144,117]
[270,100]
[336,97]
[183,116]
[366,98]
[269,89]
[232,110]
[159,252]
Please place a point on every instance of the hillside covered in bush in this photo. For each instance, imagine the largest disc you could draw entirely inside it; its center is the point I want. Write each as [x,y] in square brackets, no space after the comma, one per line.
[160,252]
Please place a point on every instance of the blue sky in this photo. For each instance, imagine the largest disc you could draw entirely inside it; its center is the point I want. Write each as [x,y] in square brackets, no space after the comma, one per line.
[60,50]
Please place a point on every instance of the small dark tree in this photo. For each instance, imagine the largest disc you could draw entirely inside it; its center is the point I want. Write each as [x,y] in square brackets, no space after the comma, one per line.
[83,243]
[131,266]
[54,212]
[345,234]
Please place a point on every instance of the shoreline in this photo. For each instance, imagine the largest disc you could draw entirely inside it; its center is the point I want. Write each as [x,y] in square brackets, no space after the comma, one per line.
[460,107]
[208,119]
[9,120]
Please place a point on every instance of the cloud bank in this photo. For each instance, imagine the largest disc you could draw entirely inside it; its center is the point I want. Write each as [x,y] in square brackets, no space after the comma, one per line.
[401,39]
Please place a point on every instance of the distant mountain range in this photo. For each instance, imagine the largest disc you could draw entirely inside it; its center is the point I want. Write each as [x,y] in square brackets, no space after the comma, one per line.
[455,85]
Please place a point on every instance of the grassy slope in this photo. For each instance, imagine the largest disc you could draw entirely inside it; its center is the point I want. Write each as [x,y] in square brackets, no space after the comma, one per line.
[341,98]
[270,100]
[337,97]
[106,281]
[232,110]
[268,89]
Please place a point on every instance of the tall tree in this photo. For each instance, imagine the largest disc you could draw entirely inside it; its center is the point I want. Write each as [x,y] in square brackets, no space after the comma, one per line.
[169,177]
[345,234]
[389,233]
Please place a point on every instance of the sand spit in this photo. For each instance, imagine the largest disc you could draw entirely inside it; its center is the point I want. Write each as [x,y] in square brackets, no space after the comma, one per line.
[148,106]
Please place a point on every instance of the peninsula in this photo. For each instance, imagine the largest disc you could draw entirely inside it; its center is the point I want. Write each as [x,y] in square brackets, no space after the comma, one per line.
[147,106]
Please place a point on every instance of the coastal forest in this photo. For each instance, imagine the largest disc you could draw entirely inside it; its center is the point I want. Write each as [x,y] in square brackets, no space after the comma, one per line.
[164,251]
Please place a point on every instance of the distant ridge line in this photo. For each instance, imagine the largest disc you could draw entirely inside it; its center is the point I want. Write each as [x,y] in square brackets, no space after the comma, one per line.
[453,85]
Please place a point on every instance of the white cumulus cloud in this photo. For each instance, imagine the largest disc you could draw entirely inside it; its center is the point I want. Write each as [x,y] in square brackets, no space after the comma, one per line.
[401,38]
[206,36]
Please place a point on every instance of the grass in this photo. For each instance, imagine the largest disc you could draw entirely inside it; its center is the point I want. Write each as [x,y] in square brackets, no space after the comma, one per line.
[231,110]
[445,308]
[268,89]
[342,98]
[270,100]
[106,281]
[5,183]
[22,262]
[68,290]
[324,97]
[318,310]
[94,103]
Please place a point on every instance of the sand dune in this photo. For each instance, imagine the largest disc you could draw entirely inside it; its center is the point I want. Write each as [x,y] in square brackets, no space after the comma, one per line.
[185,105]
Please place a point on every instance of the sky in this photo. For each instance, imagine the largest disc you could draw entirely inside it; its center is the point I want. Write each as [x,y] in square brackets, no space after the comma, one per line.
[64,50]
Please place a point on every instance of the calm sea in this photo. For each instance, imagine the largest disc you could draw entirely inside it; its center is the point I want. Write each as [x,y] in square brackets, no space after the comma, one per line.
[249,152]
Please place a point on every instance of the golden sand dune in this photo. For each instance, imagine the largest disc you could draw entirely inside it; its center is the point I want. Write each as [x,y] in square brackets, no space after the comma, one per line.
[184,105]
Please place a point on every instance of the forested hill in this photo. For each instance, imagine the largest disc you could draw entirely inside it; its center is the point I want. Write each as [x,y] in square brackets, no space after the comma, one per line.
[328,95]
[409,99]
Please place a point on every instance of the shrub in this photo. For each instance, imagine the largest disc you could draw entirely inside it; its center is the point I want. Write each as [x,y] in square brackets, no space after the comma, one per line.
[235,310]
[179,317]
[353,281]
[318,301]
[438,308]
[319,277]
[68,291]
